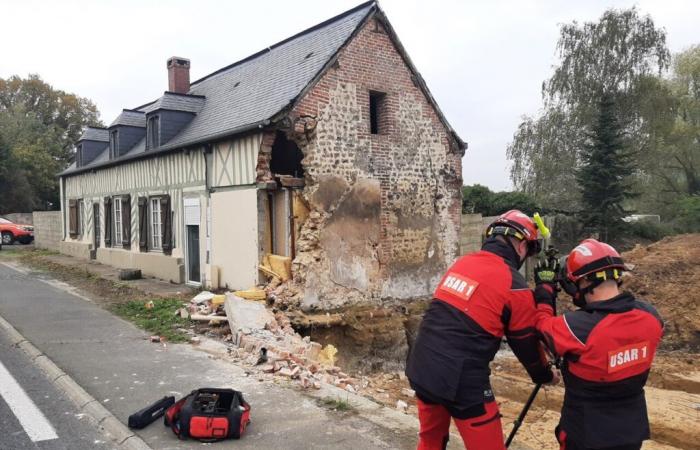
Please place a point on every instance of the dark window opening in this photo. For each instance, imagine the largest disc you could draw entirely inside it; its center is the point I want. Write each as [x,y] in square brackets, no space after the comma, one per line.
[286,157]
[376,100]
[153,140]
[114,143]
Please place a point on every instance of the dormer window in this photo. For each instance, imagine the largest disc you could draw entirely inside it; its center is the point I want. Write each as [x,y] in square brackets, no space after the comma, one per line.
[153,132]
[79,155]
[113,144]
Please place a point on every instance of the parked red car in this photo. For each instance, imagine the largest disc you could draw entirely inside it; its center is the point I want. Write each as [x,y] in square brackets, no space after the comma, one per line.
[12,232]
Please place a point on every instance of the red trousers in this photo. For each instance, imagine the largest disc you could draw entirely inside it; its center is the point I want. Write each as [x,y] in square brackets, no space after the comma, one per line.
[478,433]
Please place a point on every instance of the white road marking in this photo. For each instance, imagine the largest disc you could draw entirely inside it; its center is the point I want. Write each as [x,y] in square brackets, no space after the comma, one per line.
[30,417]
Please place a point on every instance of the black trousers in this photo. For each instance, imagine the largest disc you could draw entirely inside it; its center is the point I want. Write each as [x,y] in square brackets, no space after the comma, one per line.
[567,444]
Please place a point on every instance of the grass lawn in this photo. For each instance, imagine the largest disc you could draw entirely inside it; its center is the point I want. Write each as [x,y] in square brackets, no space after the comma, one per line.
[162,319]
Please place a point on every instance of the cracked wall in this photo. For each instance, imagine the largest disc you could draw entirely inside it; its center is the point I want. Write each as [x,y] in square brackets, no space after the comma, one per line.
[385,208]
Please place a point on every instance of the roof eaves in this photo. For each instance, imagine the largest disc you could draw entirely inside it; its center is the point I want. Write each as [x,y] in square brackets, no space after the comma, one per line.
[165,149]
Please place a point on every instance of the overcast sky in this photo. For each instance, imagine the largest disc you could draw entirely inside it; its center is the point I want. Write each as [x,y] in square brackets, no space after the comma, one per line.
[484,61]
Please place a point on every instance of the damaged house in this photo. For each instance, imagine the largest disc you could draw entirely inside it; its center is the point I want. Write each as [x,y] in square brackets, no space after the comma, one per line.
[326,148]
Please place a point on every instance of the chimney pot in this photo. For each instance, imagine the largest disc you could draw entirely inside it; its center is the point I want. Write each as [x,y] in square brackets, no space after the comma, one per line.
[178,75]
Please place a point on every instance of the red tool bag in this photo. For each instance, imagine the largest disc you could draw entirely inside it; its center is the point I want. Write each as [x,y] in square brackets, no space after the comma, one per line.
[209,414]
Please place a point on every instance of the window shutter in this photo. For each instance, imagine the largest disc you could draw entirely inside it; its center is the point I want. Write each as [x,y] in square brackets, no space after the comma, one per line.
[72,218]
[143,224]
[108,222]
[126,221]
[165,218]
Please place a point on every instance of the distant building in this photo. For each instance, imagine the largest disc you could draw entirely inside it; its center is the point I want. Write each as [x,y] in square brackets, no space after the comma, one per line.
[326,147]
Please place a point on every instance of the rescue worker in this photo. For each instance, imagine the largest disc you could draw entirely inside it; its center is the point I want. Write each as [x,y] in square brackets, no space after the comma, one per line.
[481,298]
[607,347]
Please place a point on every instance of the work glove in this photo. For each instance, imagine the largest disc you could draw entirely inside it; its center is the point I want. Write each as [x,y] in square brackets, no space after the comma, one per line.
[546,278]
[547,271]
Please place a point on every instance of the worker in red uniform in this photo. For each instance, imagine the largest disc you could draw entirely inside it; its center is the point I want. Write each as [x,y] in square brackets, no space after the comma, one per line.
[480,299]
[607,347]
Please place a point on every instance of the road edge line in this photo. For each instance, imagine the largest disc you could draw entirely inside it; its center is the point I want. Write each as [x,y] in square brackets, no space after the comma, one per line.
[106,422]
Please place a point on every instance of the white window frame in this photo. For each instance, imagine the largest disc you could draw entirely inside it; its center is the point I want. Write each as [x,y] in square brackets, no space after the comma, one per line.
[117,221]
[155,228]
[81,218]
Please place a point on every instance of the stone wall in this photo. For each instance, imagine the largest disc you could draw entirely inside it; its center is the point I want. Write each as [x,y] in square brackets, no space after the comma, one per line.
[47,229]
[385,208]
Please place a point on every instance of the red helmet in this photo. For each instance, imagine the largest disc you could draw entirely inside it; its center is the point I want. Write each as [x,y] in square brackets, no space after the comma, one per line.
[591,257]
[519,225]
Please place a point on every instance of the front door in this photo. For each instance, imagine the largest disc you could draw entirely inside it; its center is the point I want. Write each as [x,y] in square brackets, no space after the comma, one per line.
[192,221]
[193,254]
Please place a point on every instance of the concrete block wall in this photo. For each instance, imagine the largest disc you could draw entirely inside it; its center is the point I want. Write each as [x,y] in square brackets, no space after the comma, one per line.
[47,229]
[471,234]
[20,218]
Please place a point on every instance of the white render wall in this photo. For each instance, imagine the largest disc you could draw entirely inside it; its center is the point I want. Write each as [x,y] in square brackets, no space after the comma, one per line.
[234,240]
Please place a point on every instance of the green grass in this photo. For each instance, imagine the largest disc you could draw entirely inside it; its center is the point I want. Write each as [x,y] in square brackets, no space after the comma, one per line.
[160,320]
[337,404]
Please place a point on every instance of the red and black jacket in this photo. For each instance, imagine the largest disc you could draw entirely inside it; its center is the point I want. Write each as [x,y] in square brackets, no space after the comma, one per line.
[481,298]
[607,349]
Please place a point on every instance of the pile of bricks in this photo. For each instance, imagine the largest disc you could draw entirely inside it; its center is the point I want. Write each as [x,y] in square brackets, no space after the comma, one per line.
[278,351]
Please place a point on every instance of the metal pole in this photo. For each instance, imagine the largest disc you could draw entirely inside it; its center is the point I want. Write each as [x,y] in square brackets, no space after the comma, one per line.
[521,417]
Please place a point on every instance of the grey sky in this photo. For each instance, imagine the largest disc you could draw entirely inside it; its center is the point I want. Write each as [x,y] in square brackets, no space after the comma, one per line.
[484,61]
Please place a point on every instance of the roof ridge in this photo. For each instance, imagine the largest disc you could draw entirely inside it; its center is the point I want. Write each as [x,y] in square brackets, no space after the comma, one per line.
[181,94]
[284,41]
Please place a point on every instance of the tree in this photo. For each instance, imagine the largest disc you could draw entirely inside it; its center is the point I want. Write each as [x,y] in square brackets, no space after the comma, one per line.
[617,54]
[39,126]
[681,168]
[605,170]
[480,199]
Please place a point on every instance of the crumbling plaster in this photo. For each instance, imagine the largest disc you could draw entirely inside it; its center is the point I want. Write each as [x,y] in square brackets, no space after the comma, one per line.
[385,208]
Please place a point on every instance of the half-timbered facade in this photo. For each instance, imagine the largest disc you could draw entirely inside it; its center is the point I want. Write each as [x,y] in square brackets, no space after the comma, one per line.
[326,148]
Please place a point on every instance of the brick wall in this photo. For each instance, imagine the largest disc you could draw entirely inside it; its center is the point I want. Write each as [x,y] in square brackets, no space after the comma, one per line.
[47,229]
[386,207]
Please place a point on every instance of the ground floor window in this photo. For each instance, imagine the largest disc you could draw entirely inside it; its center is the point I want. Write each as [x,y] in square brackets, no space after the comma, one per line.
[117,221]
[156,228]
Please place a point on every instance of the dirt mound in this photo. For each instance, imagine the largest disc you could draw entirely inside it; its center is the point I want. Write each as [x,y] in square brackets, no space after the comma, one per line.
[667,274]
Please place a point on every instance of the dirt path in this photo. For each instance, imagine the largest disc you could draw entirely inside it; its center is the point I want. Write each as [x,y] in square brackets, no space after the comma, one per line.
[673,399]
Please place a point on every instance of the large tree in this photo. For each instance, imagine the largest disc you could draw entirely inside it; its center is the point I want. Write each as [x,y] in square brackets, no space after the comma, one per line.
[603,176]
[39,126]
[616,55]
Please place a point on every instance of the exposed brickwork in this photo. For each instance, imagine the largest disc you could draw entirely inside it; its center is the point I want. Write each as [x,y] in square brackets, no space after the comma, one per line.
[414,162]
[262,169]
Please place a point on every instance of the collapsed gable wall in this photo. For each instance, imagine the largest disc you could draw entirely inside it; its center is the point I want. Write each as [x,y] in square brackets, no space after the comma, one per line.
[385,208]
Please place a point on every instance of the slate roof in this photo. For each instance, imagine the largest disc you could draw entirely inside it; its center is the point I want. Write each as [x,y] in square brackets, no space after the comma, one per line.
[176,102]
[95,134]
[247,94]
[130,118]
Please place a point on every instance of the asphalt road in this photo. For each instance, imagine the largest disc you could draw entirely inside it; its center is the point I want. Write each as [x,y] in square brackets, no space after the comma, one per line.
[116,364]
[33,413]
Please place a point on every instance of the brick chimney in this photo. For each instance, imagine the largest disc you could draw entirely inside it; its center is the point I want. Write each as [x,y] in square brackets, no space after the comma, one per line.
[178,75]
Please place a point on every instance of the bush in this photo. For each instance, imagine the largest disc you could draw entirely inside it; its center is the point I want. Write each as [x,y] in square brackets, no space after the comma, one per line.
[480,199]
[645,230]
[689,213]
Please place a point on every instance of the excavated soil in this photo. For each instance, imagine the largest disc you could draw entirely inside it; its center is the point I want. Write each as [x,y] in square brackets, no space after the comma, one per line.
[667,274]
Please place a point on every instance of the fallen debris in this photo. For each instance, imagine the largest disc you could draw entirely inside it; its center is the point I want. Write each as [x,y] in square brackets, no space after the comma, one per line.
[204,296]
[246,314]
